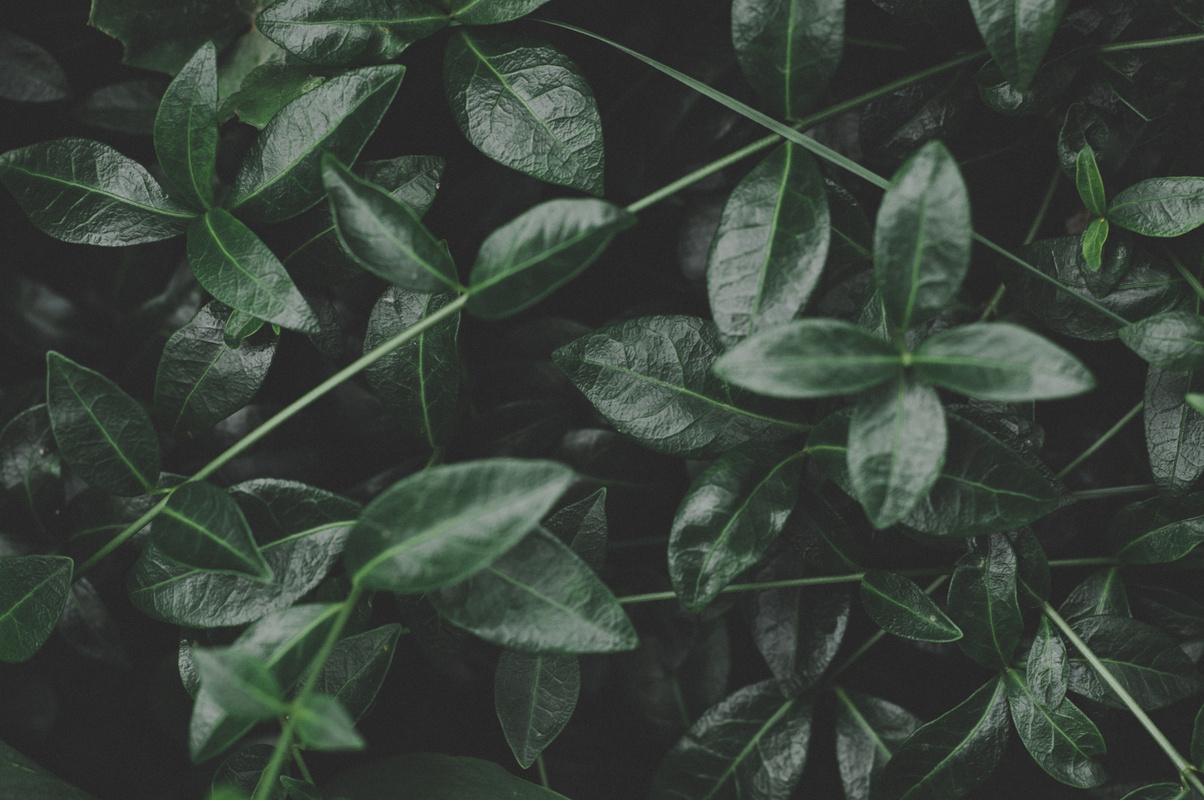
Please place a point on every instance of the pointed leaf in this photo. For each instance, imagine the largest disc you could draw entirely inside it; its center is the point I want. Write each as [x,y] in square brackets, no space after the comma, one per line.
[357,666]
[1158,530]
[868,730]
[1094,237]
[1103,592]
[534,695]
[897,605]
[33,594]
[239,683]
[202,527]
[1089,182]
[1174,431]
[1048,667]
[582,526]
[28,74]
[1018,33]
[346,31]
[1062,740]
[1160,206]
[186,128]
[1146,662]
[323,724]
[799,631]
[984,604]
[427,776]
[1172,340]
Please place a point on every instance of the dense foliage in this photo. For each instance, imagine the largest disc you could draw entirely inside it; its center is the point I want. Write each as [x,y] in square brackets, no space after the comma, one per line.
[403,394]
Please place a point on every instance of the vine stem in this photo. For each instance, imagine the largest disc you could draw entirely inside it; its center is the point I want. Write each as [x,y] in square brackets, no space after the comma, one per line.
[1192,280]
[1101,441]
[1148,44]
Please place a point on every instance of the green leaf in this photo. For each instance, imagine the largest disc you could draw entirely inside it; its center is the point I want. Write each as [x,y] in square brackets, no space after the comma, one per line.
[771,245]
[798,629]
[1032,568]
[348,31]
[651,378]
[357,666]
[897,440]
[897,605]
[102,432]
[922,237]
[1047,667]
[868,730]
[278,509]
[281,175]
[323,724]
[28,74]
[1172,340]
[1158,530]
[231,262]
[729,517]
[1089,182]
[85,192]
[427,776]
[789,51]
[1062,740]
[269,87]
[385,235]
[1160,206]
[1001,362]
[1174,432]
[33,594]
[30,466]
[582,526]
[539,251]
[1160,791]
[419,381]
[202,527]
[539,597]
[1103,592]
[1018,33]
[25,779]
[816,357]
[1094,236]
[239,683]
[490,12]
[1146,662]
[161,38]
[984,603]
[534,695]
[186,128]
[950,756]
[201,378]
[524,104]
[440,526]
[753,743]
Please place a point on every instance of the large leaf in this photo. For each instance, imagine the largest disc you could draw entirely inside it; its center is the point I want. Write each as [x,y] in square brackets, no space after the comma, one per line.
[922,238]
[798,629]
[539,597]
[534,695]
[86,192]
[1018,33]
[427,776]
[186,128]
[1160,206]
[1174,431]
[729,517]
[536,253]
[1146,662]
[983,601]
[231,262]
[440,526]
[1172,340]
[357,667]
[102,432]
[281,175]
[202,527]
[771,245]
[1102,592]
[899,606]
[28,74]
[651,378]
[33,594]
[788,49]
[163,37]
[22,778]
[1060,738]
[31,468]
[754,743]
[1158,530]
[346,31]
[242,685]
[524,104]
[491,12]
[868,730]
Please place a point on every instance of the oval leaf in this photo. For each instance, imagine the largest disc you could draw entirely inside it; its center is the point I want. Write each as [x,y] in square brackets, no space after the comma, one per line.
[28,74]
[984,603]
[186,128]
[1018,33]
[899,606]
[1174,431]
[1047,666]
[33,594]
[1172,340]
[1089,182]
[1160,206]
[1061,739]
[346,31]
[1146,662]
[798,629]
[202,527]
[534,695]
[357,667]
[868,730]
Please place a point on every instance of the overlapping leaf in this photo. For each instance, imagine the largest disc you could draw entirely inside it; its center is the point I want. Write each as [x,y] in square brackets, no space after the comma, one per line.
[33,594]
[1158,530]
[1060,737]
[1047,667]
[1160,206]
[357,667]
[983,601]
[491,12]
[900,607]
[868,730]
[1172,340]
[534,695]
[799,631]
[1102,592]
[347,31]
[1018,33]
[186,128]
[1174,431]
[202,527]
[1146,662]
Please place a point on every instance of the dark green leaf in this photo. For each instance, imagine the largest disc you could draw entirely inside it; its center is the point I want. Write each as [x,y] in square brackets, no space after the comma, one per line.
[269,87]
[25,779]
[89,627]
[281,175]
[922,238]
[534,695]
[1172,340]
[1158,530]
[323,724]
[753,744]
[102,432]
[815,357]
[357,667]
[85,192]
[346,31]
[771,245]
[1160,206]
[1160,791]
[1032,568]
[651,378]
[239,683]
[536,253]
[896,446]
[231,262]
[1001,362]
[582,526]
[899,606]
[125,106]
[1103,592]
[524,104]
[788,51]
[278,509]
[953,754]
[1174,432]
[1094,237]
[1043,95]
[1089,182]
[296,789]
[427,776]
[202,527]
[28,74]
[30,466]
[1145,662]
[186,128]
[1176,614]
[539,597]
[1062,740]
[1197,739]
[983,602]
[799,631]
[33,594]
[490,12]
[729,517]
[1047,667]
[1018,33]
[162,38]
[868,729]
[442,525]
[240,325]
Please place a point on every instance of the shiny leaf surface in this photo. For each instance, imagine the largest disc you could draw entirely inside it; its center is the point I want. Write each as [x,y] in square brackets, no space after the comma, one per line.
[1094,238]
[348,31]
[1018,33]
[491,12]
[1145,662]
[798,631]
[1060,738]
[33,594]
[1172,340]
[1103,592]
[1158,530]
[202,527]
[1160,206]
[1174,431]
[984,603]
[868,730]
[897,605]
[534,695]
[186,128]
[1047,668]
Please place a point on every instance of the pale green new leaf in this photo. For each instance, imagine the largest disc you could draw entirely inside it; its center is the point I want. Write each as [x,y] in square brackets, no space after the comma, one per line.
[1094,237]
[1089,182]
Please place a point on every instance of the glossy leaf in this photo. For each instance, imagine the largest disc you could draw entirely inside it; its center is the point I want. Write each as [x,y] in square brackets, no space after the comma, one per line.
[1158,530]
[30,466]
[984,603]
[814,357]
[896,444]
[281,175]
[23,778]
[1094,238]
[1001,362]
[239,683]
[1089,182]
[755,741]
[202,527]
[1018,33]
[102,432]
[897,605]
[231,262]
[922,237]
[33,594]
[186,128]
[799,631]
[161,38]
[348,31]
[790,50]
[1160,206]
[323,724]
[1032,568]
[539,597]
[1062,740]
[1174,431]
[868,730]
[539,251]
[769,251]
[729,517]
[86,192]
[1103,592]
[28,74]
[582,526]
[427,776]
[1172,340]
[524,104]
[1047,668]
[357,667]
[651,378]
[534,695]
[270,86]
[491,12]
[440,526]
[1145,662]
[278,509]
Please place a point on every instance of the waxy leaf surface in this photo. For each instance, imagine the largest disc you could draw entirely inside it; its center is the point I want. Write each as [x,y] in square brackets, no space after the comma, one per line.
[1172,340]
[899,606]
[534,695]
[1060,738]
[983,601]
[1146,662]
[186,128]
[1158,530]
[1018,33]
[868,730]
[202,527]
[357,667]
[1102,592]
[1160,206]
[33,594]
[798,630]
[1047,667]
[491,12]
[349,31]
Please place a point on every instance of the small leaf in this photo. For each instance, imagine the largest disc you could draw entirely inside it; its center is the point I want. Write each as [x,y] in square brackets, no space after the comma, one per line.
[33,594]
[270,86]
[1062,740]
[102,432]
[1174,430]
[534,695]
[1094,237]
[1018,34]
[346,31]
[984,604]
[239,683]
[1047,668]
[897,605]
[186,128]
[323,724]
[427,776]
[1158,530]
[28,74]
[202,527]
[357,667]
[1172,340]
[524,104]
[1145,662]
[1160,206]
[868,729]
[1089,182]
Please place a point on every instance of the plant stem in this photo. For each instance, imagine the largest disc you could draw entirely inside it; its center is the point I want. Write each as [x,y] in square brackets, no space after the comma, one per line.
[1044,209]
[1192,280]
[1148,44]
[120,538]
[818,580]
[302,767]
[1092,561]
[1113,491]
[543,772]
[1101,441]
[875,44]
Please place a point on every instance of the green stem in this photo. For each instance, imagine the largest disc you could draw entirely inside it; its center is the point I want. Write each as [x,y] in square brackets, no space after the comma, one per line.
[1092,561]
[876,45]
[818,580]
[1101,441]
[120,538]
[1192,280]
[875,638]
[543,772]
[1148,44]
[1114,491]
[302,767]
